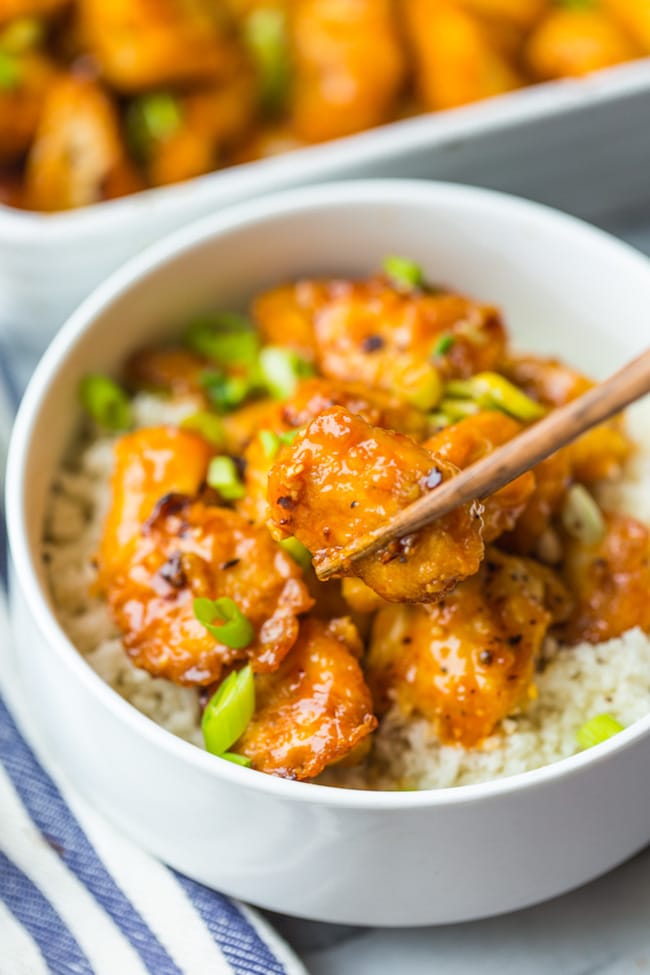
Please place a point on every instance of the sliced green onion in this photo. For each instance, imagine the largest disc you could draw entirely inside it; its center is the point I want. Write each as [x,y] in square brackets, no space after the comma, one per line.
[22,35]
[492,391]
[270,443]
[234,629]
[281,369]
[266,36]
[229,712]
[424,393]
[403,273]
[581,516]
[154,117]
[207,424]
[438,421]
[106,403]
[444,344]
[225,337]
[236,759]
[223,476]
[226,392]
[458,409]
[598,729]
[298,552]
[10,71]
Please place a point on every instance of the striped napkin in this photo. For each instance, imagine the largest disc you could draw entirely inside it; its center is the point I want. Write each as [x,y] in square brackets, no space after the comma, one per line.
[76,898]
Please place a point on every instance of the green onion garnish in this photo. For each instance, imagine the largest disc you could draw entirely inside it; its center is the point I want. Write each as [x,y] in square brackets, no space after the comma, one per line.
[207,424]
[581,516]
[598,729]
[281,370]
[444,344]
[154,117]
[234,629]
[106,403]
[298,552]
[271,442]
[21,35]
[225,392]
[266,36]
[403,273]
[10,72]
[223,476]
[458,409]
[236,759]
[225,337]
[229,712]
[492,391]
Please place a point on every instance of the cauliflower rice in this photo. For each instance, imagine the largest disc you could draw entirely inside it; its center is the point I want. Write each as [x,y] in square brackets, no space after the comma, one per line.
[573,684]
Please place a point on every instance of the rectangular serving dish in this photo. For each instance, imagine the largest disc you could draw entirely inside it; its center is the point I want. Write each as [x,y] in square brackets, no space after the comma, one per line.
[581,145]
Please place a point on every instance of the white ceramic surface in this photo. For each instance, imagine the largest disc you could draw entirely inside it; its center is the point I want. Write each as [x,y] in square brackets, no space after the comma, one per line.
[365,858]
[525,139]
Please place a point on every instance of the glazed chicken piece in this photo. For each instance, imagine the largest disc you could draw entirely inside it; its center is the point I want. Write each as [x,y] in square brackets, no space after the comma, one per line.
[285,315]
[149,464]
[312,397]
[600,453]
[188,550]
[142,44]
[381,409]
[211,121]
[348,66]
[315,709]
[533,533]
[575,42]
[465,443]
[373,333]
[342,477]
[522,14]
[21,103]
[168,370]
[13,9]
[468,661]
[634,17]
[78,156]
[455,63]
[610,581]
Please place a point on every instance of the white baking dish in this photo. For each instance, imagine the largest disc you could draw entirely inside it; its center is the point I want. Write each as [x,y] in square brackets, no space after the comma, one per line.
[581,145]
[399,858]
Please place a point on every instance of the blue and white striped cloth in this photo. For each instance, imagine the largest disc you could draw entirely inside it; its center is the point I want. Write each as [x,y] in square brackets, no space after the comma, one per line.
[76,898]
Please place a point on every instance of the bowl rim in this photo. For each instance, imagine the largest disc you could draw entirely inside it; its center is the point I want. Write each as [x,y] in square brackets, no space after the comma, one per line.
[324,161]
[241,216]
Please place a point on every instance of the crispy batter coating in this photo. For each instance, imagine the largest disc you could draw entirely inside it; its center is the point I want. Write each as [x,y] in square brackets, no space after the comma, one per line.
[465,443]
[189,549]
[455,62]
[342,477]
[610,581]
[315,709]
[369,332]
[21,105]
[141,44]
[598,454]
[552,481]
[311,398]
[467,662]
[349,66]
[78,156]
[149,465]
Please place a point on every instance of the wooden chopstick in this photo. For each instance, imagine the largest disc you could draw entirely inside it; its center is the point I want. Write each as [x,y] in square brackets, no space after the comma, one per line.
[506,463]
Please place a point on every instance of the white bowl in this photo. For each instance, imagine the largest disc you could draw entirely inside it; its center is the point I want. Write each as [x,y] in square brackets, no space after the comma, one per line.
[357,857]
[537,141]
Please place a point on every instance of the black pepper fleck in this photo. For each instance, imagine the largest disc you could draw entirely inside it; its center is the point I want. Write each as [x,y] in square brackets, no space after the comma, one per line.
[372,343]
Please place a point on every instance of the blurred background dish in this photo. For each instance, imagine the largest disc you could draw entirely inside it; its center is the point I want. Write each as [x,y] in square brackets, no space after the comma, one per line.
[102,101]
